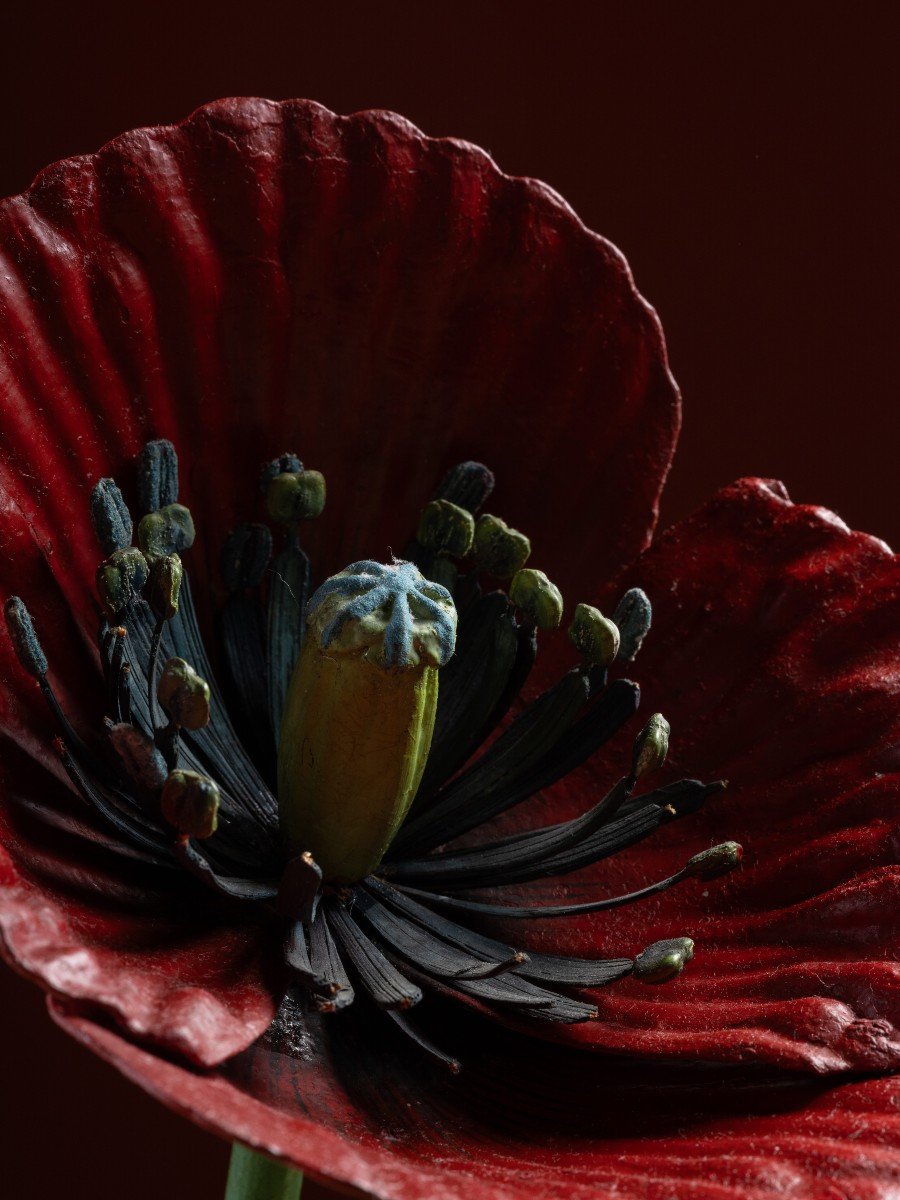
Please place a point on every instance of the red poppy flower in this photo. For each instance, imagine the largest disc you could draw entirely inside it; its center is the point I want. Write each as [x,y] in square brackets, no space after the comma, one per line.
[267,276]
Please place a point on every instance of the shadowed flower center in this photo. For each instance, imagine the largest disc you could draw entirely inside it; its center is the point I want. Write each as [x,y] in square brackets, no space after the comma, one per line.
[362,734]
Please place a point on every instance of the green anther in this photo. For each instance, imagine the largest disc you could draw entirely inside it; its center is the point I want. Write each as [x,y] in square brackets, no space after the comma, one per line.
[595,637]
[445,528]
[716,861]
[540,600]
[497,549]
[120,578]
[170,530]
[190,803]
[296,496]
[360,713]
[165,585]
[651,746]
[663,961]
[183,695]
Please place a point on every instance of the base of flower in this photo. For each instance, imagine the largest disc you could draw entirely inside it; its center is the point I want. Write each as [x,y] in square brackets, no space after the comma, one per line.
[252,1176]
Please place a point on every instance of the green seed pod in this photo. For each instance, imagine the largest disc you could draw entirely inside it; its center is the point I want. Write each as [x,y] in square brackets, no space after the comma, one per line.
[183,694]
[190,802]
[594,636]
[651,746]
[497,549]
[165,585]
[296,496]
[120,578]
[446,528]
[360,713]
[539,599]
[170,530]
[663,961]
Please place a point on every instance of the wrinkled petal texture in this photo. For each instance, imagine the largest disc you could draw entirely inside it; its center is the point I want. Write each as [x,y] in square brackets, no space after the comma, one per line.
[775,654]
[349,1106]
[269,277]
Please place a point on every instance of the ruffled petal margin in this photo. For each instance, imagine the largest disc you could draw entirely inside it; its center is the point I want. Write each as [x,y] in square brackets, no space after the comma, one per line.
[526,1121]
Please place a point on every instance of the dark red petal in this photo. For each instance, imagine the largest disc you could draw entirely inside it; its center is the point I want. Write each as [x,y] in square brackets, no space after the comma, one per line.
[150,953]
[270,276]
[775,654]
[352,1108]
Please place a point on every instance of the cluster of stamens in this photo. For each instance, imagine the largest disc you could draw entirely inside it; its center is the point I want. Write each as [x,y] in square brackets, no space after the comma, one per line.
[185,776]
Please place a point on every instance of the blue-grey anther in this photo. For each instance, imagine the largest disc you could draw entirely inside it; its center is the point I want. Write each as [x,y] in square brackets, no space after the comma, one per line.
[110,517]
[24,639]
[390,612]
[632,617]
[663,960]
[170,530]
[157,475]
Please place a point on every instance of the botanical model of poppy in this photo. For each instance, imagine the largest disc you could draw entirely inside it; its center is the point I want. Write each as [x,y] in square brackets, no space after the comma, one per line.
[433,836]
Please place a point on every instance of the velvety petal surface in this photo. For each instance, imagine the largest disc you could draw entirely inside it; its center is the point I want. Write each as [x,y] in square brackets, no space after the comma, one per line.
[353,1105]
[259,278]
[775,654]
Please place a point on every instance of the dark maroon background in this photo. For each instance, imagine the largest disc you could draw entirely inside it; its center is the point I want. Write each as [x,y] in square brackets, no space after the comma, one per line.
[743,156]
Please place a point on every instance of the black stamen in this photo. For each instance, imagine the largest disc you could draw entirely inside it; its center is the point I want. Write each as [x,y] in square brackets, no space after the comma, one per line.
[381,979]
[288,592]
[413,943]
[501,861]
[423,1042]
[472,686]
[328,966]
[227,885]
[632,617]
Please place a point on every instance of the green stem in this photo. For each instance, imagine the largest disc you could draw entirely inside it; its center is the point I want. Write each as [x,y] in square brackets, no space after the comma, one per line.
[252,1176]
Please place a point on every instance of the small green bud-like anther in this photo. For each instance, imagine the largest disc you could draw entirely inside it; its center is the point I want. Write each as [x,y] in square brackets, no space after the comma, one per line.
[120,578]
[651,746]
[165,585]
[170,530]
[360,713]
[190,802]
[497,549]
[296,496]
[540,600]
[446,528]
[663,960]
[183,694]
[716,861]
[594,636]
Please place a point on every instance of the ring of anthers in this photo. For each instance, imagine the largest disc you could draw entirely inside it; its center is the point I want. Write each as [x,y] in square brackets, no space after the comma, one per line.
[310,677]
